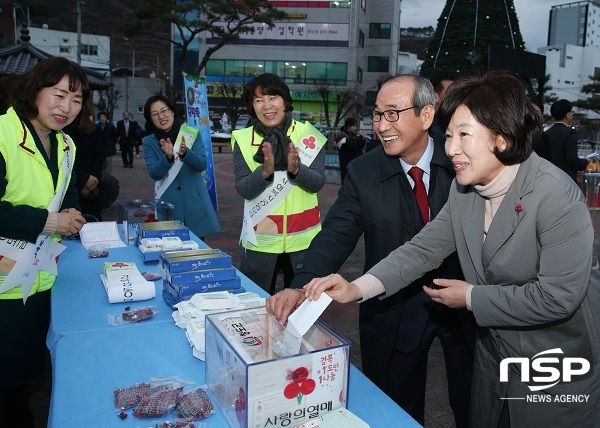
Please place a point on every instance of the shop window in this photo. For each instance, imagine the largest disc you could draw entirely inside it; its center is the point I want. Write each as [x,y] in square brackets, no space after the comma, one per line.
[234,68]
[215,67]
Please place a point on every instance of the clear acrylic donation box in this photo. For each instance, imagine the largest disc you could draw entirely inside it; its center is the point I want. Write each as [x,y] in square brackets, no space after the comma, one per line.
[132,212]
[261,376]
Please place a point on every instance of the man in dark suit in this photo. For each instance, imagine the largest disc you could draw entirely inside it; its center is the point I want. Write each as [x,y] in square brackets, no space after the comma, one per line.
[377,200]
[128,136]
[559,143]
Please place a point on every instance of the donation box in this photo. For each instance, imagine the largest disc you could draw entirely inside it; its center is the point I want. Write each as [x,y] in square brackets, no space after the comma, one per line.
[260,376]
[132,212]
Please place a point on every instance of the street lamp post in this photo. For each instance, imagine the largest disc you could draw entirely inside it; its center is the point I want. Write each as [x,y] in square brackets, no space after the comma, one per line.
[132,73]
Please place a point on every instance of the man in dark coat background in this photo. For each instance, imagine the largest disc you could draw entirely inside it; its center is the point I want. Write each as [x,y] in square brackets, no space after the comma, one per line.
[559,143]
[106,133]
[377,200]
[128,136]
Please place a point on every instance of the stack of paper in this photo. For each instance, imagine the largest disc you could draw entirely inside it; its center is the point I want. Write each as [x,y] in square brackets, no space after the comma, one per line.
[190,314]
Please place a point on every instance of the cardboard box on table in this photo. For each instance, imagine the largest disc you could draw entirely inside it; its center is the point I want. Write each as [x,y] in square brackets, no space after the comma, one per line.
[256,380]
[132,212]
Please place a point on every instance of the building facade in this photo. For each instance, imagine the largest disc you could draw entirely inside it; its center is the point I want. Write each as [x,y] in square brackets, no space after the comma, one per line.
[95,49]
[573,51]
[341,46]
[575,23]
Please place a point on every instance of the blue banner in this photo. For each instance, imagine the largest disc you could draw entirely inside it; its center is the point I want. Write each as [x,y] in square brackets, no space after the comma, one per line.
[196,105]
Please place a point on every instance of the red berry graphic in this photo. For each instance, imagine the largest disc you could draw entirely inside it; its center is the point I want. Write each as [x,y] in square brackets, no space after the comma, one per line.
[300,374]
[291,391]
[307,386]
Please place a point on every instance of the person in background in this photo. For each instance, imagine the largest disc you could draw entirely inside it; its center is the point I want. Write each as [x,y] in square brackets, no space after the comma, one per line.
[377,199]
[559,144]
[106,133]
[184,162]
[440,83]
[260,152]
[128,137]
[525,240]
[88,169]
[7,91]
[37,197]
[350,144]
[372,143]
[538,106]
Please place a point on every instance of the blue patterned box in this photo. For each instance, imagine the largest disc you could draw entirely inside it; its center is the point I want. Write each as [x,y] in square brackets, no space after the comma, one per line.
[161,229]
[196,262]
[170,256]
[201,276]
[202,287]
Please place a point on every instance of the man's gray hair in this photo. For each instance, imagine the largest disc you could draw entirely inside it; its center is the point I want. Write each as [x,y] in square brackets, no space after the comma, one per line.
[424,93]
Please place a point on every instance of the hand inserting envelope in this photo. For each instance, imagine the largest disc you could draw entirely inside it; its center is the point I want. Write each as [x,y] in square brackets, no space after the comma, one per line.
[307,314]
[302,319]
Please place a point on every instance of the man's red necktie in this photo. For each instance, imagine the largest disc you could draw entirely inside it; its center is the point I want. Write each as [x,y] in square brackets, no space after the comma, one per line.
[416,174]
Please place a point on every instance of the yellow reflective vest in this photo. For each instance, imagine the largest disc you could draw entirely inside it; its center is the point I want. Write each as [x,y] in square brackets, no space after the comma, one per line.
[29,180]
[293,224]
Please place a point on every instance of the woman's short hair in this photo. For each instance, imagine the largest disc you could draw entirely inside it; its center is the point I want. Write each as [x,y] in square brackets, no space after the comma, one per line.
[498,101]
[152,100]
[267,84]
[46,74]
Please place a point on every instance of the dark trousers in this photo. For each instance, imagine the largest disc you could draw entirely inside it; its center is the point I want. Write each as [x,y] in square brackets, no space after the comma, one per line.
[262,267]
[408,374]
[127,153]
[23,338]
[15,408]
[284,265]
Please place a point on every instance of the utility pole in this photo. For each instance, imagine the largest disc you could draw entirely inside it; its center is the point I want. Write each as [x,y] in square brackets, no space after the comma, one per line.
[78,12]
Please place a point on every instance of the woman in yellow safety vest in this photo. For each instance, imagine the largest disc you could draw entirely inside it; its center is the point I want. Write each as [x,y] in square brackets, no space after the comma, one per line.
[38,203]
[271,168]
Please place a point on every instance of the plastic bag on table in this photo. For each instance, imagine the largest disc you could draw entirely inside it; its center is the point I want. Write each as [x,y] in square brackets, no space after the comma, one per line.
[162,398]
[195,405]
[178,424]
[132,315]
[126,398]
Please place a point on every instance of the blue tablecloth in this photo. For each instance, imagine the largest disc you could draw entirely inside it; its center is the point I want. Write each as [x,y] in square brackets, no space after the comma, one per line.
[90,358]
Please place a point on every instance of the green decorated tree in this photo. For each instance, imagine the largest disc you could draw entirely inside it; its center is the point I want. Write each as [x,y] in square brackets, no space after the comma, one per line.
[464,33]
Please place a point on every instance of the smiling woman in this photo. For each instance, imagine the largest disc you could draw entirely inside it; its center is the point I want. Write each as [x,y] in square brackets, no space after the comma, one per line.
[524,237]
[267,158]
[38,204]
[178,164]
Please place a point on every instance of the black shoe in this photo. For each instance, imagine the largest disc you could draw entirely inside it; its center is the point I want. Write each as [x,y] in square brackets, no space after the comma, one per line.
[130,166]
[125,166]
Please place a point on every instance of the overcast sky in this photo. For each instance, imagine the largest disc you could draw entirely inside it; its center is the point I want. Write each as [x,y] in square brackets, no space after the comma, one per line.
[533,17]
